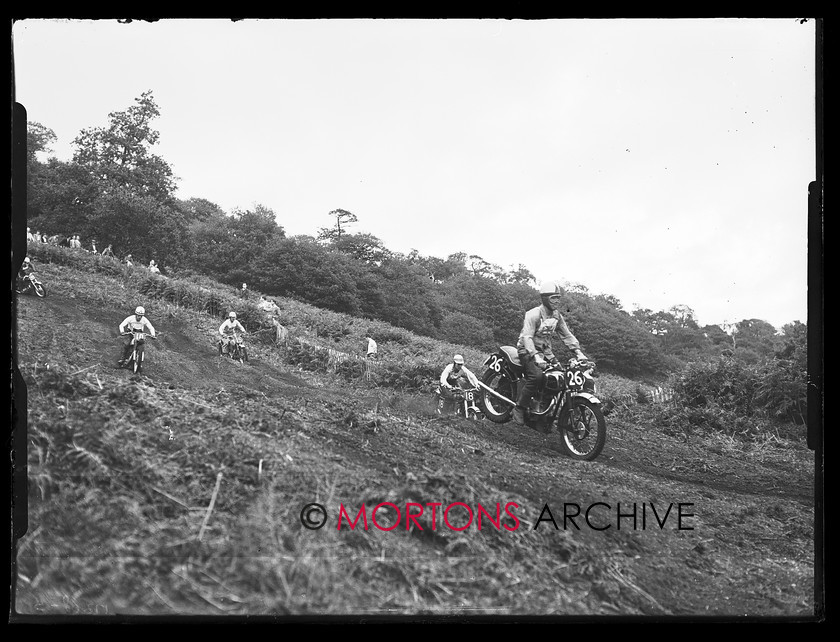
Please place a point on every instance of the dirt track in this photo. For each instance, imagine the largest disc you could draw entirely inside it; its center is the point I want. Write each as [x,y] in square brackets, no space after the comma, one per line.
[748,544]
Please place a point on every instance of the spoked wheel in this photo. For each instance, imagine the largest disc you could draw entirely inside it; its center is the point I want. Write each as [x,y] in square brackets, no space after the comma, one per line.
[137,364]
[40,290]
[495,409]
[585,432]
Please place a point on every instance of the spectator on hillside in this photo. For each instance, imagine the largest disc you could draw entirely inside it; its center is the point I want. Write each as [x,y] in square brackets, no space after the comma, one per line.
[243,291]
[371,348]
[282,336]
[93,246]
[267,306]
[75,242]
[29,235]
[108,251]
[128,260]
[153,268]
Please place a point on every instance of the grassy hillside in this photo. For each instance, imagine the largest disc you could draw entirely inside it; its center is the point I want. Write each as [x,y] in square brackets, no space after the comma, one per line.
[181,492]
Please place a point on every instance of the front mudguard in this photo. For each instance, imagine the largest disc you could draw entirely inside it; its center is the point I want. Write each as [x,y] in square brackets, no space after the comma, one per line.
[588,396]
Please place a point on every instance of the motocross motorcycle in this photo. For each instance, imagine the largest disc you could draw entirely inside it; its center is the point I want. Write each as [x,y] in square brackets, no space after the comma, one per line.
[466,402]
[235,349]
[565,402]
[138,352]
[30,284]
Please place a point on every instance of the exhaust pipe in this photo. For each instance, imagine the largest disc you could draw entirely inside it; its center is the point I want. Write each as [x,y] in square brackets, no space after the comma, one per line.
[496,394]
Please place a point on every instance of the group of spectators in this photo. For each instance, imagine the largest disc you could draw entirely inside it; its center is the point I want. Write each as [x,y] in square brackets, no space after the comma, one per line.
[75,242]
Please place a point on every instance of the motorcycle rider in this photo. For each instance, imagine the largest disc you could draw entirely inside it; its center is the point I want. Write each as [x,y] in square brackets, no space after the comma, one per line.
[137,322]
[534,344]
[229,330]
[25,271]
[454,376]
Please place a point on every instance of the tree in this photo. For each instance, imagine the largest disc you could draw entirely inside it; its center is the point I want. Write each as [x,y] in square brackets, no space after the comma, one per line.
[119,155]
[520,275]
[199,209]
[342,217]
[757,337]
[38,140]
[226,247]
[683,316]
[365,248]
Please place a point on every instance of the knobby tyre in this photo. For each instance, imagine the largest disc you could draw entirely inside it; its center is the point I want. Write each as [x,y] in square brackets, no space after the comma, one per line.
[493,408]
[138,360]
[585,433]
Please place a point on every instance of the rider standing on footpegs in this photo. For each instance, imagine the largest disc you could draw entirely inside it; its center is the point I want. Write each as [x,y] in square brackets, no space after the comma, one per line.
[534,345]
[229,329]
[137,322]
[453,375]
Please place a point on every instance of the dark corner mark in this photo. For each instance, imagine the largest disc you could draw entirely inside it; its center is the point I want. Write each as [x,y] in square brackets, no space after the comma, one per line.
[17,438]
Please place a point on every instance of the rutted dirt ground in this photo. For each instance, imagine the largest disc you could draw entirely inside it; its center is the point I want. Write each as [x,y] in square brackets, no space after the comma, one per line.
[748,543]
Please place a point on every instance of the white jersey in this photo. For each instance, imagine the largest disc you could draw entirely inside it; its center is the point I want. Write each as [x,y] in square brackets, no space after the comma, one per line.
[230,327]
[131,324]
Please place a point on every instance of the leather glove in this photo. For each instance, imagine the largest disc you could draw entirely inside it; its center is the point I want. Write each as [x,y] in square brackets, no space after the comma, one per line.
[539,360]
[580,356]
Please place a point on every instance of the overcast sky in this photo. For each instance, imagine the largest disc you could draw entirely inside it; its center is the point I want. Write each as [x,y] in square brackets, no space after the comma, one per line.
[660,161]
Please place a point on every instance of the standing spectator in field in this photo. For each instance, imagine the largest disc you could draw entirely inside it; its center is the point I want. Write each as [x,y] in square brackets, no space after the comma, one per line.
[153,268]
[108,251]
[128,259]
[93,246]
[371,348]
[29,235]
[267,306]
[282,333]
[243,291]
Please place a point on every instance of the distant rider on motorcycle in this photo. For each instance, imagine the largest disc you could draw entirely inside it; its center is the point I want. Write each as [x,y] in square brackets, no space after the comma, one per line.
[229,330]
[26,270]
[454,377]
[534,345]
[137,322]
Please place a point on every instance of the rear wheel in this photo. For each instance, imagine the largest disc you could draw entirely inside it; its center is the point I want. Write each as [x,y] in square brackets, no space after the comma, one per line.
[585,431]
[495,409]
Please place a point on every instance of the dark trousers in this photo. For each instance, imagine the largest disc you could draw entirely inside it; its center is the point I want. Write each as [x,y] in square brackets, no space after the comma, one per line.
[127,348]
[533,379]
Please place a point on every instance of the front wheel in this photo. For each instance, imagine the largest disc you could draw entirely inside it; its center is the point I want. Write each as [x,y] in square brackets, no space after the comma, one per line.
[40,290]
[138,360]
[497,410]
[584,431]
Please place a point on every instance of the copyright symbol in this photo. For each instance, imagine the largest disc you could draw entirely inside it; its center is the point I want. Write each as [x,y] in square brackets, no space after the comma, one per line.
[313,516]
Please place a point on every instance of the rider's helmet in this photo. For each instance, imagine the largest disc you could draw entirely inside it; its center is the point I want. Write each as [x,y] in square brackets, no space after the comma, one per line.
[458,359]
[232,316]
[550,294]
[140,311]
[26,260]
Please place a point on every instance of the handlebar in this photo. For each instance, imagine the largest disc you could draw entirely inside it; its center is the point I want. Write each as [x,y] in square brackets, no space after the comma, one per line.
[572,363]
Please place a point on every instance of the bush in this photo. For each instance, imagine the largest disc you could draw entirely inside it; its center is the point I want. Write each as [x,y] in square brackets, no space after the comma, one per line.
[726,382]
